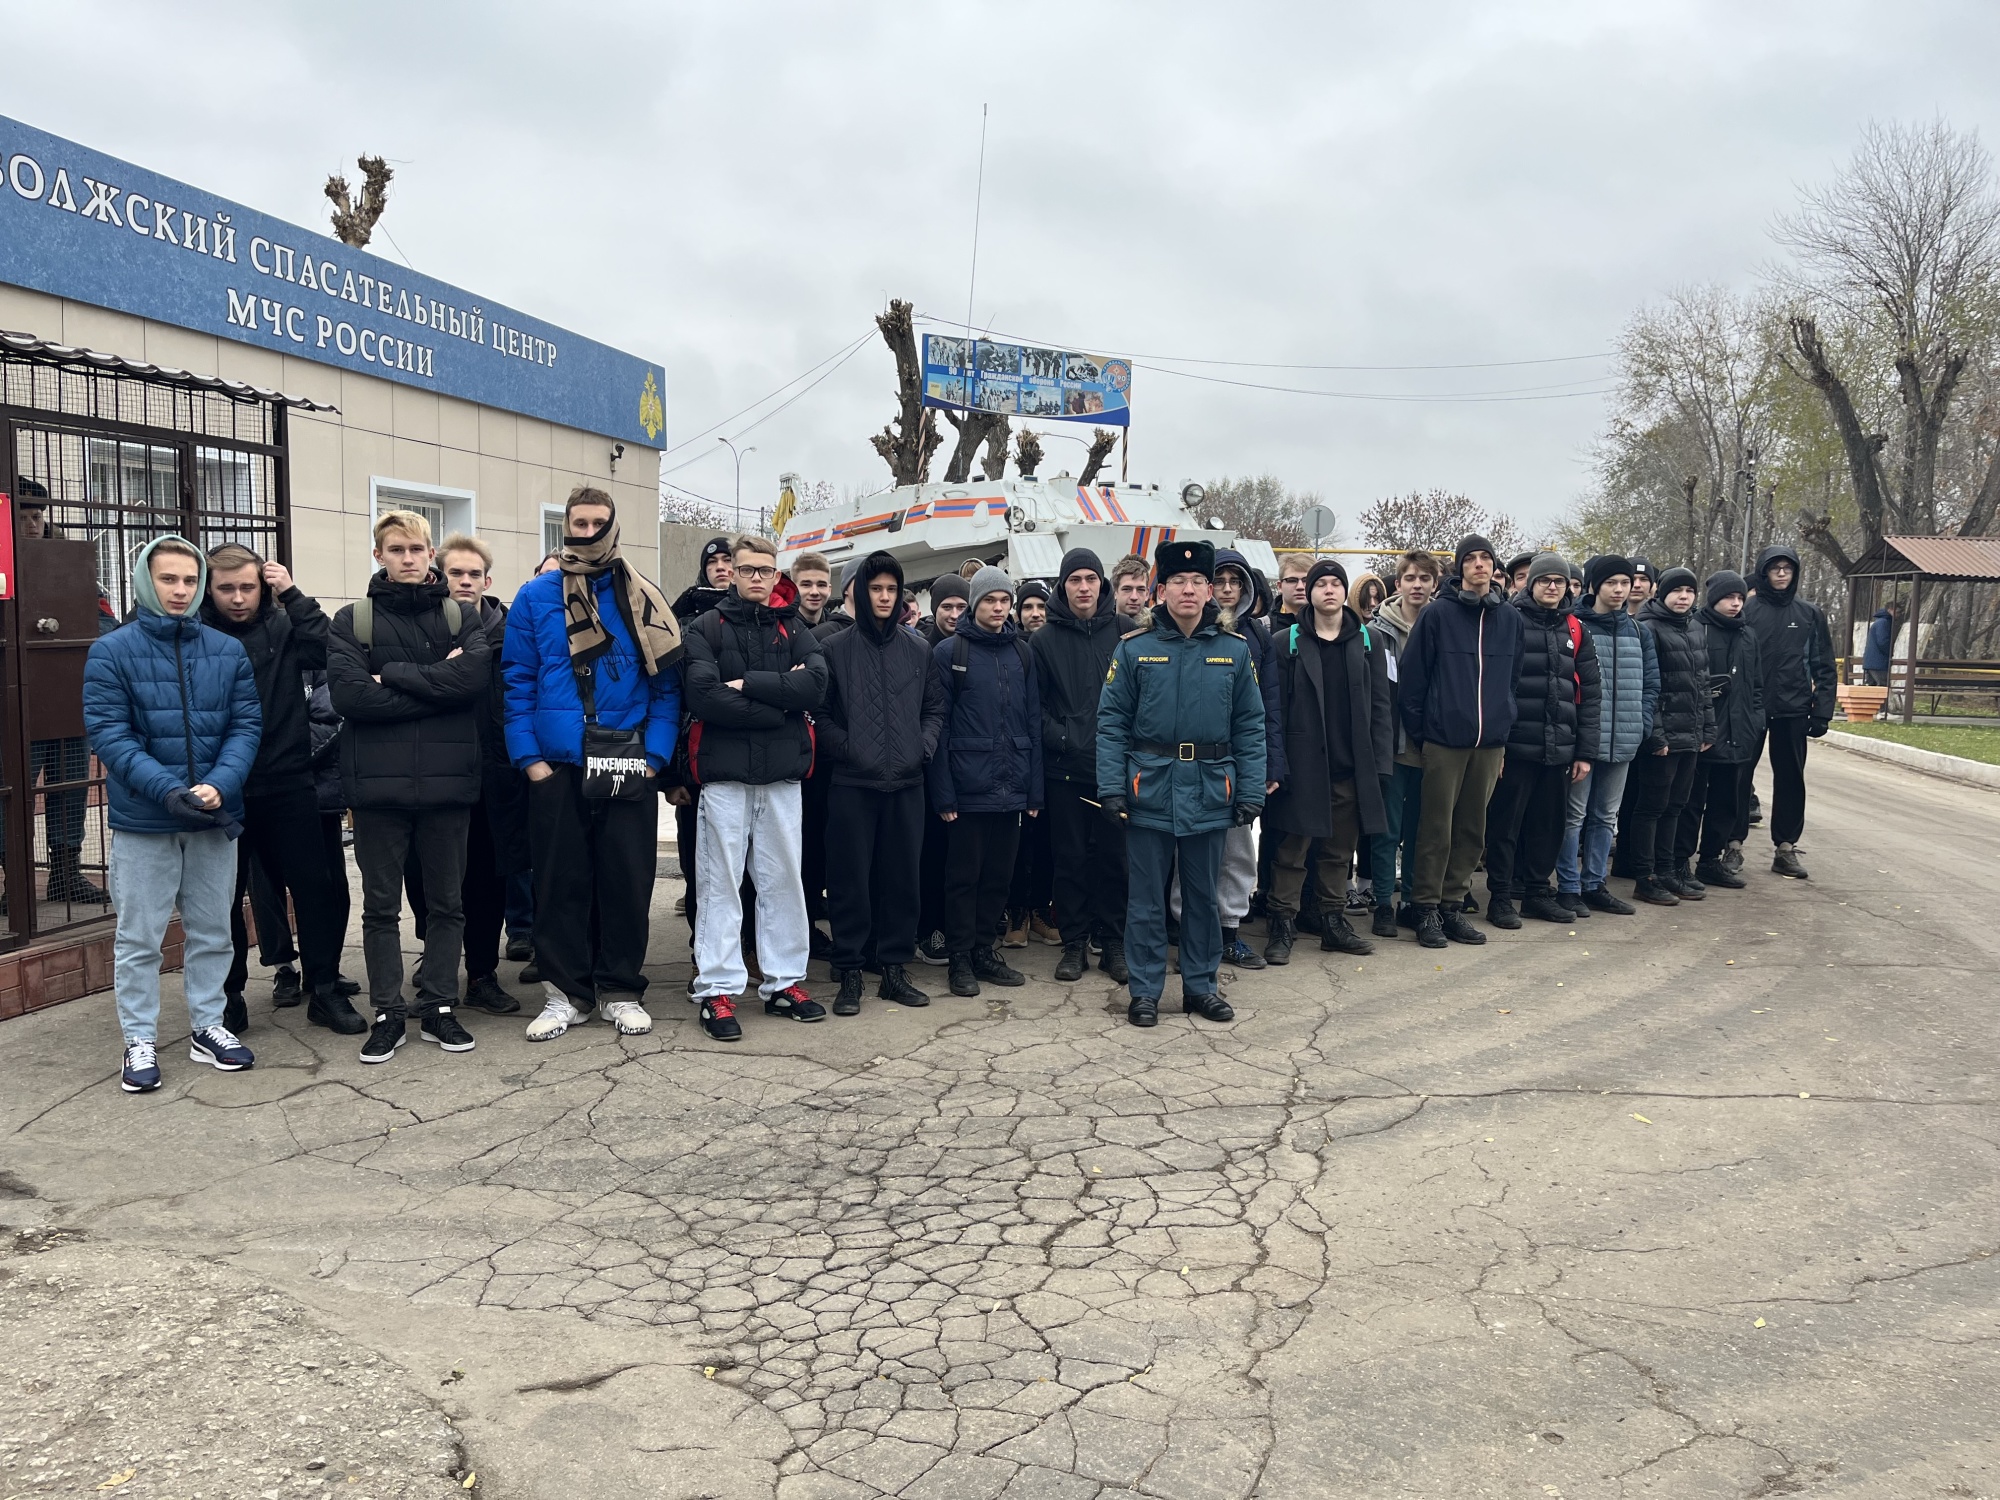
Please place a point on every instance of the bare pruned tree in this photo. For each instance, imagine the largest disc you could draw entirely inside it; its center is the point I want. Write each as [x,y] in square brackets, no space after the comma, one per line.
[1435,520]
[1901,252]
[1261,507]
[976,429]
[1102,441]
[1027,452]
[906,445]
[354,223]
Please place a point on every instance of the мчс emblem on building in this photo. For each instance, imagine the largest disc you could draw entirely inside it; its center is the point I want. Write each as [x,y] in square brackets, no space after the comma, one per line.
[652,414]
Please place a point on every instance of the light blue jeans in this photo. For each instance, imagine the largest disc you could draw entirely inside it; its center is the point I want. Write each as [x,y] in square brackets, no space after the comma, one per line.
[151,875]
[1593,819]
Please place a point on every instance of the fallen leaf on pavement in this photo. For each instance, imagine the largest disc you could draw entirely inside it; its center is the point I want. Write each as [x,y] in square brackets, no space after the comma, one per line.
[1758,1324]
[1503,1013]
[117,1479]
[1642,1119]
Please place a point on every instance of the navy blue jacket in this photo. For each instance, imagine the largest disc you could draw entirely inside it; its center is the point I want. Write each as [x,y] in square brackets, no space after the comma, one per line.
[169,703]
[544,712]
[1881,643]
[989,753]
[1456,674]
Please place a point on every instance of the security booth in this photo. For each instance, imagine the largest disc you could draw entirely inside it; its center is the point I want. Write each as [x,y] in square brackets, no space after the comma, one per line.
[105,455]
[1925,569]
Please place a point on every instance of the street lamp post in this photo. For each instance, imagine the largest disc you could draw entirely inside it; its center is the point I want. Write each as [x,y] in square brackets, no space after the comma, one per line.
[739,475]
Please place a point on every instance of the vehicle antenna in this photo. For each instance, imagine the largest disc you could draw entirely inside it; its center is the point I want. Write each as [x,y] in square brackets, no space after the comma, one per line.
[978,193]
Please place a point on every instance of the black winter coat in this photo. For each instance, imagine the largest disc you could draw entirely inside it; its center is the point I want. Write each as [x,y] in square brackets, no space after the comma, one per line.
[411,741]
[1303,803]
[989,753]
[1071,658]
[884,706]
[761,733]
[325,725]
[503,790]
[1739,706]
[1457,670]
[284,640]
[1558,693]
[1686,720]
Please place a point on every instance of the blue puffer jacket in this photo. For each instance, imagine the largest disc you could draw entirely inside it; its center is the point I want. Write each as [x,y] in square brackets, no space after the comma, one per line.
[169,703]
[1458,670]
[1630,674]
[544,712]
[989,753]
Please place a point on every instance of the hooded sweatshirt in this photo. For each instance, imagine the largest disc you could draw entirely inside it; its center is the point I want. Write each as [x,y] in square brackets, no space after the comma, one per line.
[1457,672]
[168,704]
[284,640]
[884,702]
[1793,643]
[1072,655]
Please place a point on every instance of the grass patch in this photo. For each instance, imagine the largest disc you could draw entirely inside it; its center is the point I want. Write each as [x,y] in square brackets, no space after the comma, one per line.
[1947,739]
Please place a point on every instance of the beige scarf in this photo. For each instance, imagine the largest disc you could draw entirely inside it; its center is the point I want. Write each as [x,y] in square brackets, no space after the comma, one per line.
[640,601]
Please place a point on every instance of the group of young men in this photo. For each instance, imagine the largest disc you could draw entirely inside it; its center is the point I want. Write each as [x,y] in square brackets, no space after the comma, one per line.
[831,756]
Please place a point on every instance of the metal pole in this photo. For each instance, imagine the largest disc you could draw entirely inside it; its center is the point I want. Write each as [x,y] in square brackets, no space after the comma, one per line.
[739,475]
[1910,672]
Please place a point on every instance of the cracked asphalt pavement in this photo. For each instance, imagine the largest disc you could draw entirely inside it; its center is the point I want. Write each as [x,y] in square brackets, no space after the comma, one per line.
[1696,1203]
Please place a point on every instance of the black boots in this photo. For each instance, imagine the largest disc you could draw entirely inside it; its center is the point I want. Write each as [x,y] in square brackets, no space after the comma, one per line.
[1337,937]
[1785,861]
[334,1013]
[1075,959]
[1208,1007]
[1430,927]
[1278,945]
[1680,880]
[963,980]
[896,986]
[1715,872]
[1501,913]
[848,1001]
[1112,960]
[1384,925]
[67,881]
[989,965]
[1602,900]
[235,1013]
[1143,1011]
[1545,908]
[1653,893]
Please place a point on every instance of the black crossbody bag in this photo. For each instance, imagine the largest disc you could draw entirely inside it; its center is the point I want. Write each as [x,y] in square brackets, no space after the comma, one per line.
[614,760]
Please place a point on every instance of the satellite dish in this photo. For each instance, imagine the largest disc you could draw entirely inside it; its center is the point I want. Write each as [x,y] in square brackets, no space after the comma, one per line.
[1318,523]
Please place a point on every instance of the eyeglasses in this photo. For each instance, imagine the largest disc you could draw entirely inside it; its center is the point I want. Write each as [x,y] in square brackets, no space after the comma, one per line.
[758,573]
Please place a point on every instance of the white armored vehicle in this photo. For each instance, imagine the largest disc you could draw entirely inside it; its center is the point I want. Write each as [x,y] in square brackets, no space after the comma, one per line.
[1022,525]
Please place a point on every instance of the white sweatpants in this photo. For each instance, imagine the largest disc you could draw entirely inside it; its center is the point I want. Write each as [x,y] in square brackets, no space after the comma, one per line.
[1233,887]
[762,826]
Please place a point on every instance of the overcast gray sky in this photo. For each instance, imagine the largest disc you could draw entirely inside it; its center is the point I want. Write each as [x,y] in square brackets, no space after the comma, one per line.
[734,190]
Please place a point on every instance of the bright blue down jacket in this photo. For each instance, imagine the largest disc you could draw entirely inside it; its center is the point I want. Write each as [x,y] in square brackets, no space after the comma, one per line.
[544,713]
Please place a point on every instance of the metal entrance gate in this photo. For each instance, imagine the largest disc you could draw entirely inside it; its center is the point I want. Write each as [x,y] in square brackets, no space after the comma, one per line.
[103,456]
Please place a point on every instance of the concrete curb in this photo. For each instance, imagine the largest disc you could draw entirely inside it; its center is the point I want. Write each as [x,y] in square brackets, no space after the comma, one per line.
[1950,767]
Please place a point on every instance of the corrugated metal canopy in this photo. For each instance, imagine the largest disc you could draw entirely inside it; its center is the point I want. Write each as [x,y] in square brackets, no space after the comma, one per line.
[45,351]
[1952,559]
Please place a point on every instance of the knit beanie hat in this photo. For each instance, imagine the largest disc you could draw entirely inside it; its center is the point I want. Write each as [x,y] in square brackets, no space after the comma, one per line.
[714,547]
[1326,567]
[988,580]
[1034,588]
[1078,560]
[1604,565]
[1544,564]
[1471,542]
[1642,567]
[950,586]
[1677,578]
[1522,560]
[1722,585]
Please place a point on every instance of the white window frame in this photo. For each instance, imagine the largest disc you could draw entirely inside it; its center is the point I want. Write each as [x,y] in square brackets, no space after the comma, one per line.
[460,508]
[550,513]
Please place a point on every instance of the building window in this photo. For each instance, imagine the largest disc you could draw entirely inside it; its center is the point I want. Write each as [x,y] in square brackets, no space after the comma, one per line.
[552,529]
[447,510]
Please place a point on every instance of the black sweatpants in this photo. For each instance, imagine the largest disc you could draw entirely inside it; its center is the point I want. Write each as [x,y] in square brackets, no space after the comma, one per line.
[1087,855]
[1524,828]
[813,794]
[1713,813]
[1787,739]
[1032,886]
[275,943]
[383,840]
[684,831]
[872,886]
[1665,782]
[485,892]
[930,874]
[594,869]
[281,831]
[979,865]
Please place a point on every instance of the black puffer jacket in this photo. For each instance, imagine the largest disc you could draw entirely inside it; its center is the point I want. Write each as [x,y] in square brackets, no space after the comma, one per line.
[1686,720]
[762,732]
[884,703]
[411,741]
[1793,644]
[284,640]
[1071,658]
[1739,706]
[1558,694]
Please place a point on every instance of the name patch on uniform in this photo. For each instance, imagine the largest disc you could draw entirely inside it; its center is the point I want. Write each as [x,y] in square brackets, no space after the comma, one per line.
[1222,661]
[1156,658]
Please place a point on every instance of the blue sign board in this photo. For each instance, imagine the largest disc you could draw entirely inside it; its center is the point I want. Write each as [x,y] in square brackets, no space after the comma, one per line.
[78,224]
[1055,385]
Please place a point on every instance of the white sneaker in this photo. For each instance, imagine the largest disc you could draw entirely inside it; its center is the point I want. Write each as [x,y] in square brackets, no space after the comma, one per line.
[557,1016]
[629,1016]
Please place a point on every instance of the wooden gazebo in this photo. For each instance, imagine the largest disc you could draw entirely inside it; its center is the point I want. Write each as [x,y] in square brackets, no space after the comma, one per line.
[1917,561]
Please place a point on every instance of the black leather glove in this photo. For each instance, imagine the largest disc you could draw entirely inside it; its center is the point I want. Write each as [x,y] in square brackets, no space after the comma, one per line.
[189,813]
[1114,809]
[1816,728]
[1246,812]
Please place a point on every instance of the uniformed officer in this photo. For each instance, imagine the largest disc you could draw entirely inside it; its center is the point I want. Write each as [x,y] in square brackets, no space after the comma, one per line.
[1180,757]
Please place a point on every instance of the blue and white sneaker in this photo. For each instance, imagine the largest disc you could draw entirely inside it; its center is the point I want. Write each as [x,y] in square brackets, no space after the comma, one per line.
[217,1046]
[142,1068]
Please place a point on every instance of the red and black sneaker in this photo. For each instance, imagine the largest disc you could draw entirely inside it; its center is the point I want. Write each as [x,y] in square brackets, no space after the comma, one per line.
[793,1001]
[718,1018]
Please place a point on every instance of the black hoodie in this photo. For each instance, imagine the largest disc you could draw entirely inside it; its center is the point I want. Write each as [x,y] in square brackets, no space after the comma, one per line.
[1071,657]
[1793,643]
[884,702]
[284,640]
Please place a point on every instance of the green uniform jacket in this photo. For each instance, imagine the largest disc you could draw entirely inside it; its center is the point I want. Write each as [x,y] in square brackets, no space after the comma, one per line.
[1170,689]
